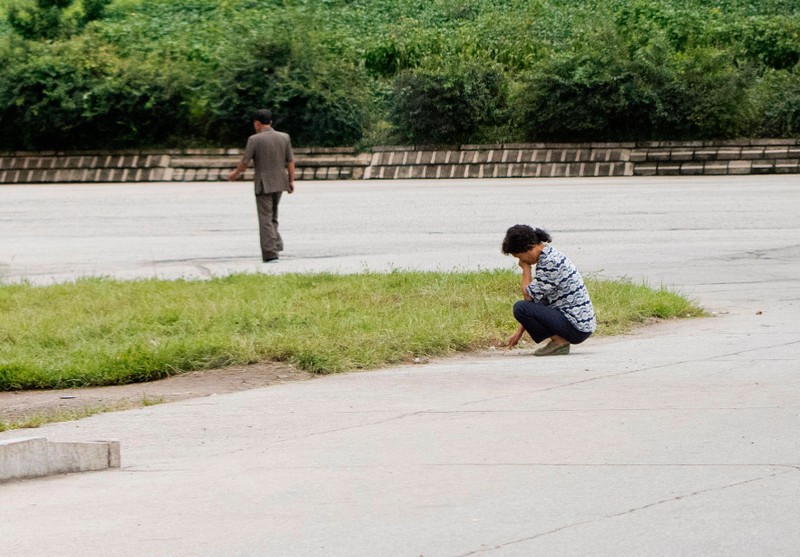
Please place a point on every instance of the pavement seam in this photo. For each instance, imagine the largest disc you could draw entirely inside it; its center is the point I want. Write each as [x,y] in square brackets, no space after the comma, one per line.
[629,511]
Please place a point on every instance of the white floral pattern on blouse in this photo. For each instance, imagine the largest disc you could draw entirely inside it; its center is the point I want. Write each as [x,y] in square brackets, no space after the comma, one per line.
[557,283]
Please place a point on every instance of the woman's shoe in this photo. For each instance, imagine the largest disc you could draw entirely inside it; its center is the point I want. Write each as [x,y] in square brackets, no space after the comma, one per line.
[553,349]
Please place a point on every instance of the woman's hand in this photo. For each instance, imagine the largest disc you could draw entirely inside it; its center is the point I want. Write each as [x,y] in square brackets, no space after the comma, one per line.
[515,338]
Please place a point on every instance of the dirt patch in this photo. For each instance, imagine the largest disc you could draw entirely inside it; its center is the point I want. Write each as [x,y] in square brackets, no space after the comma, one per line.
[32,407]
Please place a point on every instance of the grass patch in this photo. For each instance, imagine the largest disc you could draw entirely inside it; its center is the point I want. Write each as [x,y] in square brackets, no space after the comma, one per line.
[40,419]
[107,332]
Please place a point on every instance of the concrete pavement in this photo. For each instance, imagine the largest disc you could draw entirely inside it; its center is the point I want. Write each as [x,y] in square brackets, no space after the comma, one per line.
[680,439]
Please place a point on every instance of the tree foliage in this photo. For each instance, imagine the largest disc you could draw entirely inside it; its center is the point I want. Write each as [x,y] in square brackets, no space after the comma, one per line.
[139,73]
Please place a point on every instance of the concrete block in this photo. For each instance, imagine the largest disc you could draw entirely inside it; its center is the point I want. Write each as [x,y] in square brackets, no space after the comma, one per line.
[622,155]
[740,167]
[333,150]
[379,148]
[763,167]
[639,169]
[749,153]
[604,169]
[516,170]
[787,166]
[776,152]
[541,155]
[658,155]
[637,155]
[32,457]
[482,147]
[460,171]
[729,153]
[526,155]
[705,154]
[481,156]
[570,155]
[773,141]
[439,157]
[668,169]
[524,145]
[735,142]
[621,169]
[495,155]
[692,168]
[684,144]
[681,155]
[424,157]
[467,157]
[599,155]
[474,170]
[715,167]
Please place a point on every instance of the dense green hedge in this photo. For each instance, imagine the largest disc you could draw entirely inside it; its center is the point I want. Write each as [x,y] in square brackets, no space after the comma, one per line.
[360,72]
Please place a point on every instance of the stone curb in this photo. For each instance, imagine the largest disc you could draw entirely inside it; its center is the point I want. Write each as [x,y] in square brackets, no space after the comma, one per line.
[35,457]
[508,160]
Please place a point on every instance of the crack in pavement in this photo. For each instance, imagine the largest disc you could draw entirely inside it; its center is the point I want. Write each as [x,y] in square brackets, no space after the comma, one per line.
[356,426]
[629,511]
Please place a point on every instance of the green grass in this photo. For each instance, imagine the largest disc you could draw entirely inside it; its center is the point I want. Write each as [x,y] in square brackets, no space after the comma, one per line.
[105,332]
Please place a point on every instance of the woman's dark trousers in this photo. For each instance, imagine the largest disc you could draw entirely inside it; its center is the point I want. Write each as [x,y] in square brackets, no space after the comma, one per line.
[543,321]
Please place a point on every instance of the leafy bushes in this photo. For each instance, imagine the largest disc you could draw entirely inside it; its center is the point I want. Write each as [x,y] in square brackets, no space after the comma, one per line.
[47,19]
[318,101]
[74,95]
[447,104]
[133,73]
[777,104]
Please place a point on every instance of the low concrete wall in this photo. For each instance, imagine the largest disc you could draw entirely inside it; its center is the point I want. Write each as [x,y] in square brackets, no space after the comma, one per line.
[32,457]
[515,160]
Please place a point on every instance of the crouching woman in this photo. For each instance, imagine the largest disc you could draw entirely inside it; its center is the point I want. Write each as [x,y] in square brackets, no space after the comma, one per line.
[556,304]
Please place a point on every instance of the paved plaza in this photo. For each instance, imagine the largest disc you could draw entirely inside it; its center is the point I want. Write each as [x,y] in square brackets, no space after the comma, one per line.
[679,439]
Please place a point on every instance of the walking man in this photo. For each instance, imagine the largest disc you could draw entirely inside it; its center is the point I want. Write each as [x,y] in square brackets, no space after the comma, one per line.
[271,153]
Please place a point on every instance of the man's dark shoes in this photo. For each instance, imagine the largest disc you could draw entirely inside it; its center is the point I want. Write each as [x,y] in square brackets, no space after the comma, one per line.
[268,259]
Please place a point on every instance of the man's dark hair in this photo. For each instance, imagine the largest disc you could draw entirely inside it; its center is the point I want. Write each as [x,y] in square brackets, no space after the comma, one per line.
[521,237]
[264,116]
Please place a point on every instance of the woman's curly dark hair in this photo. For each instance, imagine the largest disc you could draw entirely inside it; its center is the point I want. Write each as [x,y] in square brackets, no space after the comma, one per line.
[521,237]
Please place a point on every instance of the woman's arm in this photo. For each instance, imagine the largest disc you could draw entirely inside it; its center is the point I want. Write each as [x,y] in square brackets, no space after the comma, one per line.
[514,340]
[527,277]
